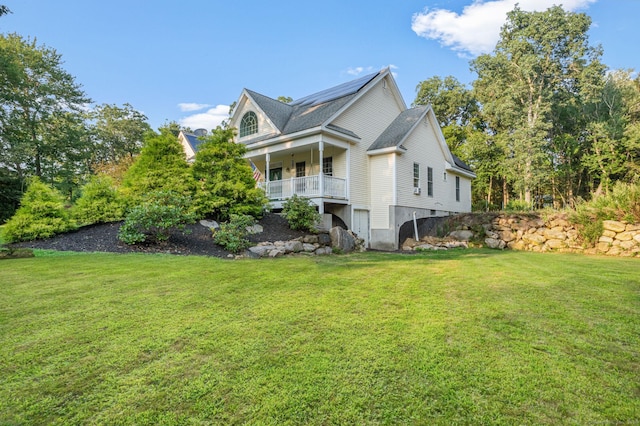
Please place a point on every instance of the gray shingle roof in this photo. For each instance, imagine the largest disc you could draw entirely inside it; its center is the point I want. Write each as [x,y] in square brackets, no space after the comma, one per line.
[278,112]
[461,163]
[310,111]
[399,128]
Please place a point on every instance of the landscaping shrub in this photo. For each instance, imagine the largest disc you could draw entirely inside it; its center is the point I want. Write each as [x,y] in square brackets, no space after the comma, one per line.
[232,235]
[161,166]
[300,213]
[155,219]
[42,214]
[100,202]
[224,180]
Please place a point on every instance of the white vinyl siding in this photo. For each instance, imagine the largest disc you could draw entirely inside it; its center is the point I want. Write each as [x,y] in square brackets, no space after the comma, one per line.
[264,125]
[382,180]
[423,147]
[368,117]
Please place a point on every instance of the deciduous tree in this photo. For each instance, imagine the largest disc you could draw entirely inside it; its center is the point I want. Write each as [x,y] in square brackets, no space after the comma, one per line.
[541,57]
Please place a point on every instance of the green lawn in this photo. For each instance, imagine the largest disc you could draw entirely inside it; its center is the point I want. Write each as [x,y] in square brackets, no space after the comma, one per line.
[462,337]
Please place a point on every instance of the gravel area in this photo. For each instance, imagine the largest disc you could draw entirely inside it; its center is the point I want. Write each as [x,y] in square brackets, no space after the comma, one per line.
[199,241]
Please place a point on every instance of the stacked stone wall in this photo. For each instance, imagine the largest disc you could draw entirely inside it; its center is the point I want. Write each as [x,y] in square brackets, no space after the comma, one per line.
[534,233]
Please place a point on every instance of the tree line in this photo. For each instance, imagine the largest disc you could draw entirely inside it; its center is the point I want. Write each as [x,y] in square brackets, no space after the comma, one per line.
[545,122]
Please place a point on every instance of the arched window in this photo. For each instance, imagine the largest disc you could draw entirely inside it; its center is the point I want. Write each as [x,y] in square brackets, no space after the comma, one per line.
[249,124]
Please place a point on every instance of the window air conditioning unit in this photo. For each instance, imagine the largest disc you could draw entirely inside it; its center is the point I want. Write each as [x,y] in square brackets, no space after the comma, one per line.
[416,191]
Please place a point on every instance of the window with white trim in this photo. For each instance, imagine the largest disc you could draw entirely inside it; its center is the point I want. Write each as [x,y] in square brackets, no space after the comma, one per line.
[430,181]
[416,175]
[327,166]
[457,188]
[249,124]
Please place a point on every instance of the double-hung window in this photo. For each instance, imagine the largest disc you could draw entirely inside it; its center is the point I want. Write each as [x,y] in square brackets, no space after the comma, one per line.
[430,181]
[416,175]
[327,166]
[457,188]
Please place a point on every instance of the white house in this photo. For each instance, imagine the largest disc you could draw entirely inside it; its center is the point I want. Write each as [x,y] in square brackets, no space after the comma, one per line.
[190,142]
[358,153]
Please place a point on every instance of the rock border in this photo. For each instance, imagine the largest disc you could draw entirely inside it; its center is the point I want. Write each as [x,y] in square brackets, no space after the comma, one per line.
[530,232]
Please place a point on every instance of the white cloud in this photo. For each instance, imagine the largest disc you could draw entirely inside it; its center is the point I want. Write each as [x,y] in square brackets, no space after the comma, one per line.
[206,120]
[191,106]
[477,29]
[356,71]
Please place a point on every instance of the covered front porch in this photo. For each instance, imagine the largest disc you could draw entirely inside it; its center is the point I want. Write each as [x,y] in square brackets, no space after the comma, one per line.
[308,168]
[318,186]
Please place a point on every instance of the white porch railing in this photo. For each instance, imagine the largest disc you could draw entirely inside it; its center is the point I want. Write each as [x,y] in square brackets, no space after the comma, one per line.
[307,186]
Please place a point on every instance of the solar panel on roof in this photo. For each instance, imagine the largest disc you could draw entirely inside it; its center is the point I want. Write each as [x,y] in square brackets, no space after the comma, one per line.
[336,92]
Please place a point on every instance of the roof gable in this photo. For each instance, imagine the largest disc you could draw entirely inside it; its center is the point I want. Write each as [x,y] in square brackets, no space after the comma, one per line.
[278,112]
[315,110]
[399,129]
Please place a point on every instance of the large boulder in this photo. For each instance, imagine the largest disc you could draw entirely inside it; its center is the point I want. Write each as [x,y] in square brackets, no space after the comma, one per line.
[461,234]
[614,225]
[342,240]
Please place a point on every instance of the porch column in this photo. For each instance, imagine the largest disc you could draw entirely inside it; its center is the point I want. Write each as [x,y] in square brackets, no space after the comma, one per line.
[320,175]
[267,159]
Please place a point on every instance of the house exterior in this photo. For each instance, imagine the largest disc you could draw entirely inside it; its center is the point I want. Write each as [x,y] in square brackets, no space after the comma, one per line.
[190,142]
[358,153]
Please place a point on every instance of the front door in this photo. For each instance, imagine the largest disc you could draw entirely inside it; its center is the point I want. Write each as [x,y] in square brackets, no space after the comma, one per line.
[275,174]
[275,183]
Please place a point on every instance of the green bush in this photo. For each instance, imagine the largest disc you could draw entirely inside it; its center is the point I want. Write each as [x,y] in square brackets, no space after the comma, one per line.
[100,202]
[232,235]
[622,203]
[518,206]
[301,213]
[224,180]
[42,214]
[10,193]
[155,219]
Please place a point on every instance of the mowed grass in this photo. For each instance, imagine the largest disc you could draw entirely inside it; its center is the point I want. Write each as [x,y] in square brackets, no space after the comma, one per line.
[462,337]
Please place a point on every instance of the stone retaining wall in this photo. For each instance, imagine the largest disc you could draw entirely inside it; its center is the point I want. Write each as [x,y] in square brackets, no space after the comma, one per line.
[557,233]
[533,233]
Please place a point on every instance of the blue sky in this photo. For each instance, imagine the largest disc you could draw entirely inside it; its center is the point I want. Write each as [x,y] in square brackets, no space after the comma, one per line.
[187,61]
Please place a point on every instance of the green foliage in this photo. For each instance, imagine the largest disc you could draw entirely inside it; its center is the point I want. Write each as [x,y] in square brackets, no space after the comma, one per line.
[621,203]
[232,235]
[10,193]
[42,130]
[100,202]
[118,132]
[532,88]
[301,213]
[160,213]
[224,180]
[161,166]
[518,206]
[42,214]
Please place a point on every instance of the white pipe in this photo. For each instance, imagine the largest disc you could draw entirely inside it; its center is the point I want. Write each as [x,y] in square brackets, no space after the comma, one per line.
[415,226]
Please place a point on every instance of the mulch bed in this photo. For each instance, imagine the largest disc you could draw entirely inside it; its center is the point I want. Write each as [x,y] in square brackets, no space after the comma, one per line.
[197,241]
